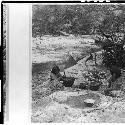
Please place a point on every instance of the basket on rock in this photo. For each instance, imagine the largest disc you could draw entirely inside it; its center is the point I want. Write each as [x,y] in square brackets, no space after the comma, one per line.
[94,87]
[67,81]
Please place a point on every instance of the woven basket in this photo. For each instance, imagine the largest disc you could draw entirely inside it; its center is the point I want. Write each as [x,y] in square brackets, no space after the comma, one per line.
[68,81]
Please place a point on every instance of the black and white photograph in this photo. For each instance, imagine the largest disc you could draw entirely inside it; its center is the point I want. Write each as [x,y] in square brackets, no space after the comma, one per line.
[78,63]
[5,84]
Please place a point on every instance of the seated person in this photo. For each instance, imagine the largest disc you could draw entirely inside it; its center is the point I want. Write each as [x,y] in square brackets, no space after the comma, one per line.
[55,73]
[55,77]
[115,72]
[59,79]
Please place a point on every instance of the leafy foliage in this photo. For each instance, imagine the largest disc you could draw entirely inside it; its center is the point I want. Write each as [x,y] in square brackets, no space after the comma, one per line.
[95,77]
[77,19]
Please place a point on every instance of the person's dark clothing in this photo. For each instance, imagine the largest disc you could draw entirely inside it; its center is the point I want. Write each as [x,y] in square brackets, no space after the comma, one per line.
[116,73]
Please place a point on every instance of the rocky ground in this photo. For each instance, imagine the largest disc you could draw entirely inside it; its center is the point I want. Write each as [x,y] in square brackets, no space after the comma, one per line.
[109,110]
[68,104]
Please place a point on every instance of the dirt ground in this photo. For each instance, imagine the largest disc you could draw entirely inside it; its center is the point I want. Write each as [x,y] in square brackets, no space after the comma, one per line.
[67,105]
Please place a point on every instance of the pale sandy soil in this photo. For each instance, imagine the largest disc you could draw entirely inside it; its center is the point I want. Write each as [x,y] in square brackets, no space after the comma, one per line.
[55,48]
[55,106]
[50,109]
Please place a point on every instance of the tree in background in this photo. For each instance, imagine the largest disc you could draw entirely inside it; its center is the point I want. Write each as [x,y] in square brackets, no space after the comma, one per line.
[108,21]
